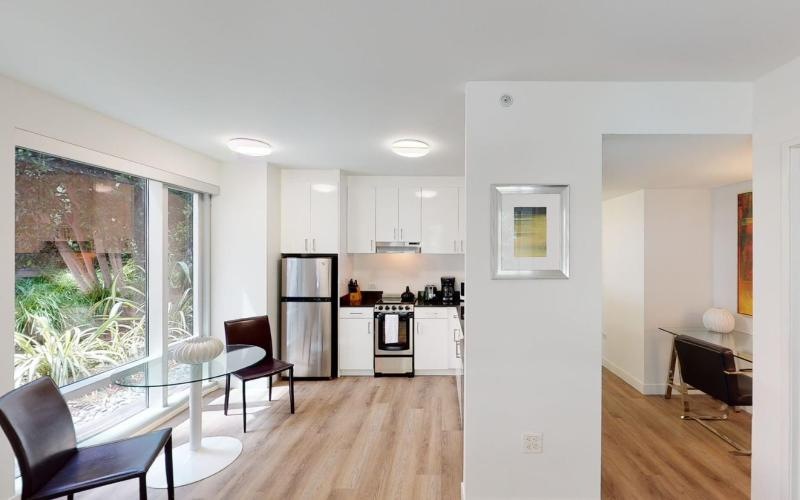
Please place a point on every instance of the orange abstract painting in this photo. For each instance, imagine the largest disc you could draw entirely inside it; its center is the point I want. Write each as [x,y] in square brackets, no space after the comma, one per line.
[745,253]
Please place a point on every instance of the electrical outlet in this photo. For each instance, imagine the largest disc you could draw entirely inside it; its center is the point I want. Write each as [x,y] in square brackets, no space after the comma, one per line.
[532,442]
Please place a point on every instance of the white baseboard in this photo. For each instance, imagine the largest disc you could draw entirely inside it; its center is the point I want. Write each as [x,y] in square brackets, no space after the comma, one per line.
[624,375]
[356,373]
[435,372]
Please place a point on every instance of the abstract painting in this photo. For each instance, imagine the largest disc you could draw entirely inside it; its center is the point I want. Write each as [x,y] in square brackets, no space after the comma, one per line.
[530,231]
[745,254]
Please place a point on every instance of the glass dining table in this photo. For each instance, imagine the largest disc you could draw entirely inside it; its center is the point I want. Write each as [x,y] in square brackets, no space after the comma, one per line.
[740,344]
[202,456]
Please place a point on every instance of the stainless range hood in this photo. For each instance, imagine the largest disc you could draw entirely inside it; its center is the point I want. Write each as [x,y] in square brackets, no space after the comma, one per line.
[397,247]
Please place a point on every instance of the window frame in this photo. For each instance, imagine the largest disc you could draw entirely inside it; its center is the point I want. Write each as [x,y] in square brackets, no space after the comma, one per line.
[158,184]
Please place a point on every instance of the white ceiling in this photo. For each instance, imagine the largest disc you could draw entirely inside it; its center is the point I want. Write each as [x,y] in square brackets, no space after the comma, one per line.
[634,162]
[331,83]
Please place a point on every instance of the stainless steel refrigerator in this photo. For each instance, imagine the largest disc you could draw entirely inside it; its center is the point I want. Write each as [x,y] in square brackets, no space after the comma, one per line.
[308,312]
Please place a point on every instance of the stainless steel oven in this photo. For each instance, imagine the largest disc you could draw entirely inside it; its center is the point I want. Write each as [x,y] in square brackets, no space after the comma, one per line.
[394,339]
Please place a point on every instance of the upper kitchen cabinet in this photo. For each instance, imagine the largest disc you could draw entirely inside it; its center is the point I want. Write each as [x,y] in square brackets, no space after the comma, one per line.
[310,211]
[397,213]
[440,231]
[360,219]
[398,209]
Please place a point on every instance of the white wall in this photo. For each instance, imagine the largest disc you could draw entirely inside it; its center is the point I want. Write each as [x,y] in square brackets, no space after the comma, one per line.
[656,272]
[776,124]
[391,273]
[724,213]
[30,109]
[677,274]
[273,263]
[239,247]
[623,287]
[534,346]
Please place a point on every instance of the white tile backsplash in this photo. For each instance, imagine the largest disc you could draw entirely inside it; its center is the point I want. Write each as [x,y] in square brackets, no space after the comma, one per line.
[393,272]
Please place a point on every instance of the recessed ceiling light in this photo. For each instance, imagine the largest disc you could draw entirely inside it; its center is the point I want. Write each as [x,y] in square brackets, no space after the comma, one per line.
[410,148]
[249,147]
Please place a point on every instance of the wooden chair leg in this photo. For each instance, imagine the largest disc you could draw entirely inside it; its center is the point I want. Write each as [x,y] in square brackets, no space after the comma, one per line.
[270,387]
[168,465]
[291,388]
[227,391]
[244,409]
[143,487]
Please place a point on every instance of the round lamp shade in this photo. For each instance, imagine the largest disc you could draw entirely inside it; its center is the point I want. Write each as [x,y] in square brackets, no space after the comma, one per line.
[719,320]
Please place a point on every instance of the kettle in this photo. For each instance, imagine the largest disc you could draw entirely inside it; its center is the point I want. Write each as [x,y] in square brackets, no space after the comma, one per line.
[430,293]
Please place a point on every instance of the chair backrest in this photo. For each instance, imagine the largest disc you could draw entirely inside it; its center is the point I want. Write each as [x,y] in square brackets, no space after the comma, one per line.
[37,422]
[703,366]
[252,331]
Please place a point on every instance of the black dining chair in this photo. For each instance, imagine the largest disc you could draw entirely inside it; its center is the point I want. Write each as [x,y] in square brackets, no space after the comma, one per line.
[39,426]
[255,331]
[711,368]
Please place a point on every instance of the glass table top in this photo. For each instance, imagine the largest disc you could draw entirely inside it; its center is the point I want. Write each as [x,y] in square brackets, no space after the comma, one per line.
[740,343]
[152,372]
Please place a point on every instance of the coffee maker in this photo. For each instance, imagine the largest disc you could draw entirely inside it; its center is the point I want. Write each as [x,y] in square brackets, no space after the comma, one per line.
[448,289]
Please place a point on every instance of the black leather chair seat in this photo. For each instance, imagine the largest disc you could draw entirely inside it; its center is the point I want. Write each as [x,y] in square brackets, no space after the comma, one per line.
[262,369]
[94,466]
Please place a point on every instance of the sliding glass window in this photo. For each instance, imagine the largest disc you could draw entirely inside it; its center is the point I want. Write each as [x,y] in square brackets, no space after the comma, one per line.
[83,290]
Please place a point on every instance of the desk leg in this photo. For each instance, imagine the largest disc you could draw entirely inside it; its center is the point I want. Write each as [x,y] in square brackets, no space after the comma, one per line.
[673,358]
[202,456]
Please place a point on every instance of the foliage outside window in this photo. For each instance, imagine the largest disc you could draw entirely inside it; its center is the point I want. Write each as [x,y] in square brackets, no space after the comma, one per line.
[81,281]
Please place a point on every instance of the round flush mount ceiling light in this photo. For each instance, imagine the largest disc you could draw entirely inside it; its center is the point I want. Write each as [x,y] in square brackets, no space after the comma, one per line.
[410,148]
[249,147]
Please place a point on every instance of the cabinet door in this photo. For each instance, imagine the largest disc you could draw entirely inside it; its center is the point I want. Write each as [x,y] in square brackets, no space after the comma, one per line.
[462,219]
[409,214]
[386,214]
[295,216]
[355,344]
[324,218]
[455,335]
[361,219]
[430,344]
[440,220]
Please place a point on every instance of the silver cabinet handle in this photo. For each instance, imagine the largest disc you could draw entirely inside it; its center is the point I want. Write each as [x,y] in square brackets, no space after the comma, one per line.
[401,234]
[455,249]
[458,351]
[369,328]
[462,246]
[313,244]
[455,334]
[305,242]
[371,245]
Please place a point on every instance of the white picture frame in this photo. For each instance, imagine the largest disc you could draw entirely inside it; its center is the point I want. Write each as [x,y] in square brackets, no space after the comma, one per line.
[530,231]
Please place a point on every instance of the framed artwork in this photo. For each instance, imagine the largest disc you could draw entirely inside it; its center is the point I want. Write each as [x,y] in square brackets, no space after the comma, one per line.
[744,281]
[530,233]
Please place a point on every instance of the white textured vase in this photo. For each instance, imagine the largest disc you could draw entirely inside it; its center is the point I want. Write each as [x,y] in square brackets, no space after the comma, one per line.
[197,350]
[719,320]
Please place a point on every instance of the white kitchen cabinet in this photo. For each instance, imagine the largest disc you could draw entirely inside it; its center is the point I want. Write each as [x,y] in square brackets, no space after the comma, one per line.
[410,213]
[440,231]
[462,219]
[434,351]
[356,337]
[386,213]
[360,219]
[310,211]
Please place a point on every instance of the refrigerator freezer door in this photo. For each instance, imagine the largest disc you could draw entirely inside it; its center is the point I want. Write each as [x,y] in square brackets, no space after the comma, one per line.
[306,337]
[306,277]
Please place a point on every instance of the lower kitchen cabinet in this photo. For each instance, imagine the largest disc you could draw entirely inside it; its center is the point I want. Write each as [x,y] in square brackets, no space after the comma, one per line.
[434,350]
[356,339]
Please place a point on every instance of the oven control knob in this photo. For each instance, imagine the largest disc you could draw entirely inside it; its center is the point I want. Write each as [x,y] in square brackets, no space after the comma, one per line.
[379,308]
[394,308]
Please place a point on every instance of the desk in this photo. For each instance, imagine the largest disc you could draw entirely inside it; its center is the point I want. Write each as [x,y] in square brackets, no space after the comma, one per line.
[740,343]
[202,456]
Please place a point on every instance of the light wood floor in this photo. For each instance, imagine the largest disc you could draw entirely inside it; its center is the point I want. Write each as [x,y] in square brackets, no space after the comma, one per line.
[351,438]
[650,453]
